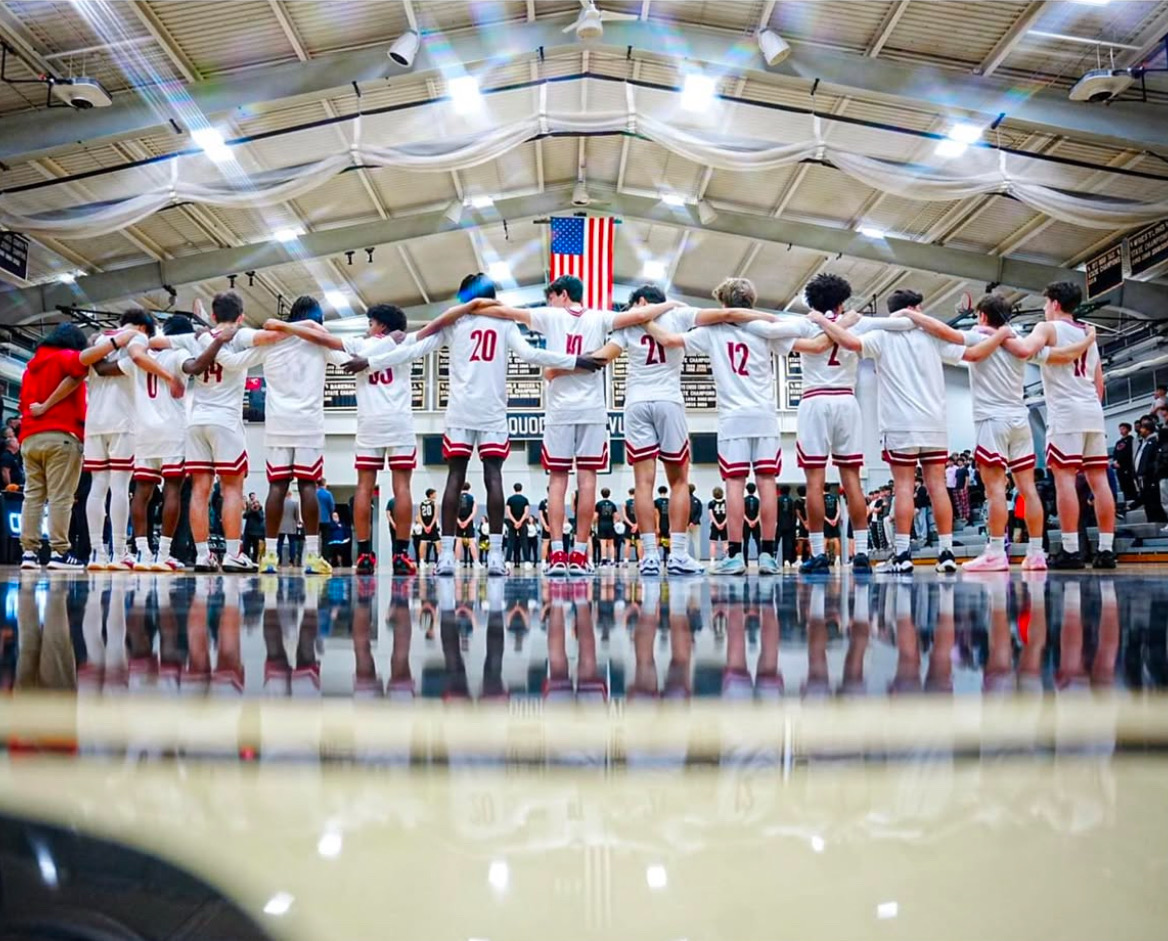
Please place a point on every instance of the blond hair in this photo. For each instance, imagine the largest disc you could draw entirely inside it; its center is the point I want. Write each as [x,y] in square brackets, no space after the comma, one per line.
[736,292]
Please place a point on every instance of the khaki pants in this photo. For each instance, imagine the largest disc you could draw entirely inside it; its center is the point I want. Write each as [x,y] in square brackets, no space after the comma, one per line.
[52,468]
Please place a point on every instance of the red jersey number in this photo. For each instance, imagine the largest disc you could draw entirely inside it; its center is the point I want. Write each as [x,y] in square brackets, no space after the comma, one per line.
[384,378]
[1081,365]
[485,344]
[151,385]
[655,352]
[575,344]
[738,354]
[213,373]
[833,359]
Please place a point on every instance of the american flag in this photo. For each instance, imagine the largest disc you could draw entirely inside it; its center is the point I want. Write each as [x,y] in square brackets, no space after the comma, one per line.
[584,248]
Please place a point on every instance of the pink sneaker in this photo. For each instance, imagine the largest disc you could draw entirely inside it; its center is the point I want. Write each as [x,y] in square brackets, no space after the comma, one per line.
[1034,563]
[988,562]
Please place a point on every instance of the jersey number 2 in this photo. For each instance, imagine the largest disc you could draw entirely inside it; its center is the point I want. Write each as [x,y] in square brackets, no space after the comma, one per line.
[485,342]
[738,354]
[833,359]
[655,354]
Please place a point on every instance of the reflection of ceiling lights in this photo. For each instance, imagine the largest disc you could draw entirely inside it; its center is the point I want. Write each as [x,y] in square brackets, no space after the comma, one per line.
[464,93]
[404,48]
[499,271]
[68,277]
[287,235]
[871,232]
[697,94]
[336,300]
[673,199]
[210,141]
[773,47]
[958,138]
[482,202]
[653,270]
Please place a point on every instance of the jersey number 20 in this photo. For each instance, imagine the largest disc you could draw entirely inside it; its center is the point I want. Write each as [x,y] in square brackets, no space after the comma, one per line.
[485,342]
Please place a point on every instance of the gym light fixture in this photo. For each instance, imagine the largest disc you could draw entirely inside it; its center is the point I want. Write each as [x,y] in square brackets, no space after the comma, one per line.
[336,300]
[653,270]
[774,48]
[481,202]
[499,271]
[289,234]
[673,199]
[210,141]
[404,48]
[871,232]
[454,212]
[706,212]
[68,277]
[958,138]
[697,93]
[464,93]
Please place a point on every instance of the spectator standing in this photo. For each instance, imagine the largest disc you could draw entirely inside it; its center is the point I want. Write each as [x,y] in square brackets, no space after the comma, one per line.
[1123,456]
[923,506]
[338,542]
[324,498]
[695,520]
[52,430]
[961,492]
[254,543]
[751,524]
[1160,399]
[788,522]
[288,541]
[831,523]
[518,515]
[544,531]
[802,538]
[1146,462]
[661,505]
[11,466]
[632,533]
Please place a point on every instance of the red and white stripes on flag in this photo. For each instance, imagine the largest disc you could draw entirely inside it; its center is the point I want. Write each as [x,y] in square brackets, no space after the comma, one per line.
[583,247]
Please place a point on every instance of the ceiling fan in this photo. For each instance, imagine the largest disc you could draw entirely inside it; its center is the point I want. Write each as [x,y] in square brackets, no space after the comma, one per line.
[590,23]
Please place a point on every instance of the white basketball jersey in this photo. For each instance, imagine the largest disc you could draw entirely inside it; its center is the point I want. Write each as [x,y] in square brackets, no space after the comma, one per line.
[384,403]
[996,382]
[577,399]
[744,377]
[654,372]
[160,425]
[911,379]
[110,401]
[294,376]
[217,393]
[1072,404]
[836,368]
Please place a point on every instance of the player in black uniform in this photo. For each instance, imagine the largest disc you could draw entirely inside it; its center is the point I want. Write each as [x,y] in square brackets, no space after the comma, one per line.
[632,534]
[695,522]
[831,523]
[466,527]
[661,505]
[802,540]
[606,512]
[718,535]
[426,529]
[752,528]
[517,516]
[787,522]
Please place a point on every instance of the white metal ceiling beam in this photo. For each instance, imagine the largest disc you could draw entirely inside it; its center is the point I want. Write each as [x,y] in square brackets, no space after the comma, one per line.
[884,32]
[1014,35]
[165,41]
[840,73]
[978,267]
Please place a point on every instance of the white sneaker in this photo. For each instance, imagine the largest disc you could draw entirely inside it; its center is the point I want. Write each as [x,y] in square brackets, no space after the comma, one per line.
[238,563]
[124,563]
[446,565]
[99,562]
[173,565]
[682,563]
[728,565]
[650,566]
[767,564]
[495,564]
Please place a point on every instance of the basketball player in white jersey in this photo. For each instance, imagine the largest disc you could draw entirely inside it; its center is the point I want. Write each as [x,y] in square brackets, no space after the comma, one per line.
[294,431]
[109,450]
[829,422]
[576,429]
[216,445]
[476,413]
[748,422]
[912,417]
[385,428]
[1002,423]
[655,424]
[1075,433]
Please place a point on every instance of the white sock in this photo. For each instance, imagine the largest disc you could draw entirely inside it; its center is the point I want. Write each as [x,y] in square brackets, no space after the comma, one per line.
[119,509]
[1071,542]
[902,543]
[1107,542]
[496,541]
[233,547]
[202,549]
[679,543]
[1034,547]
[581,547]
[312,545]
[447,545]
[817,547]
[997,544]
[95,511]
[142,544]
[649,545]
[945,541]
[861,537]
[164,547]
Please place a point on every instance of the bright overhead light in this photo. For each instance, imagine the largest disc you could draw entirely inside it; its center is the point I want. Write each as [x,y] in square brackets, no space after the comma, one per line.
[499,875]
[653,270]
[964,133]
[336,299]
[697,94]
[279,904]
[950,148]
[210,141]
[887,910]
[289,234]
[773,47]
[673,199]
[482,202]
[67,277]
[656,877]
[464,93]
[330,843]
[871,232]
[499,271]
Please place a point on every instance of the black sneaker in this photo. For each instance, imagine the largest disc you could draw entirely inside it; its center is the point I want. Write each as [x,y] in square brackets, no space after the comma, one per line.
[29,560]
[64,563]
[1104,559]
[1066,561]
[816,565]
[861,564]
[946,563]
[206,565]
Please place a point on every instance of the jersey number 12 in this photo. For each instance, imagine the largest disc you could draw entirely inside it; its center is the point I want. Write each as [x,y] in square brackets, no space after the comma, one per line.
[738,354]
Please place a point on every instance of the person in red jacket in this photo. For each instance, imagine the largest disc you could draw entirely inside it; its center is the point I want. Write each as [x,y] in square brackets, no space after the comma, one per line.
[52,412]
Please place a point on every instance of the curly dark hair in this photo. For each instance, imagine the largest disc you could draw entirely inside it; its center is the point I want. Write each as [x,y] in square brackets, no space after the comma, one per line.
[827,292]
